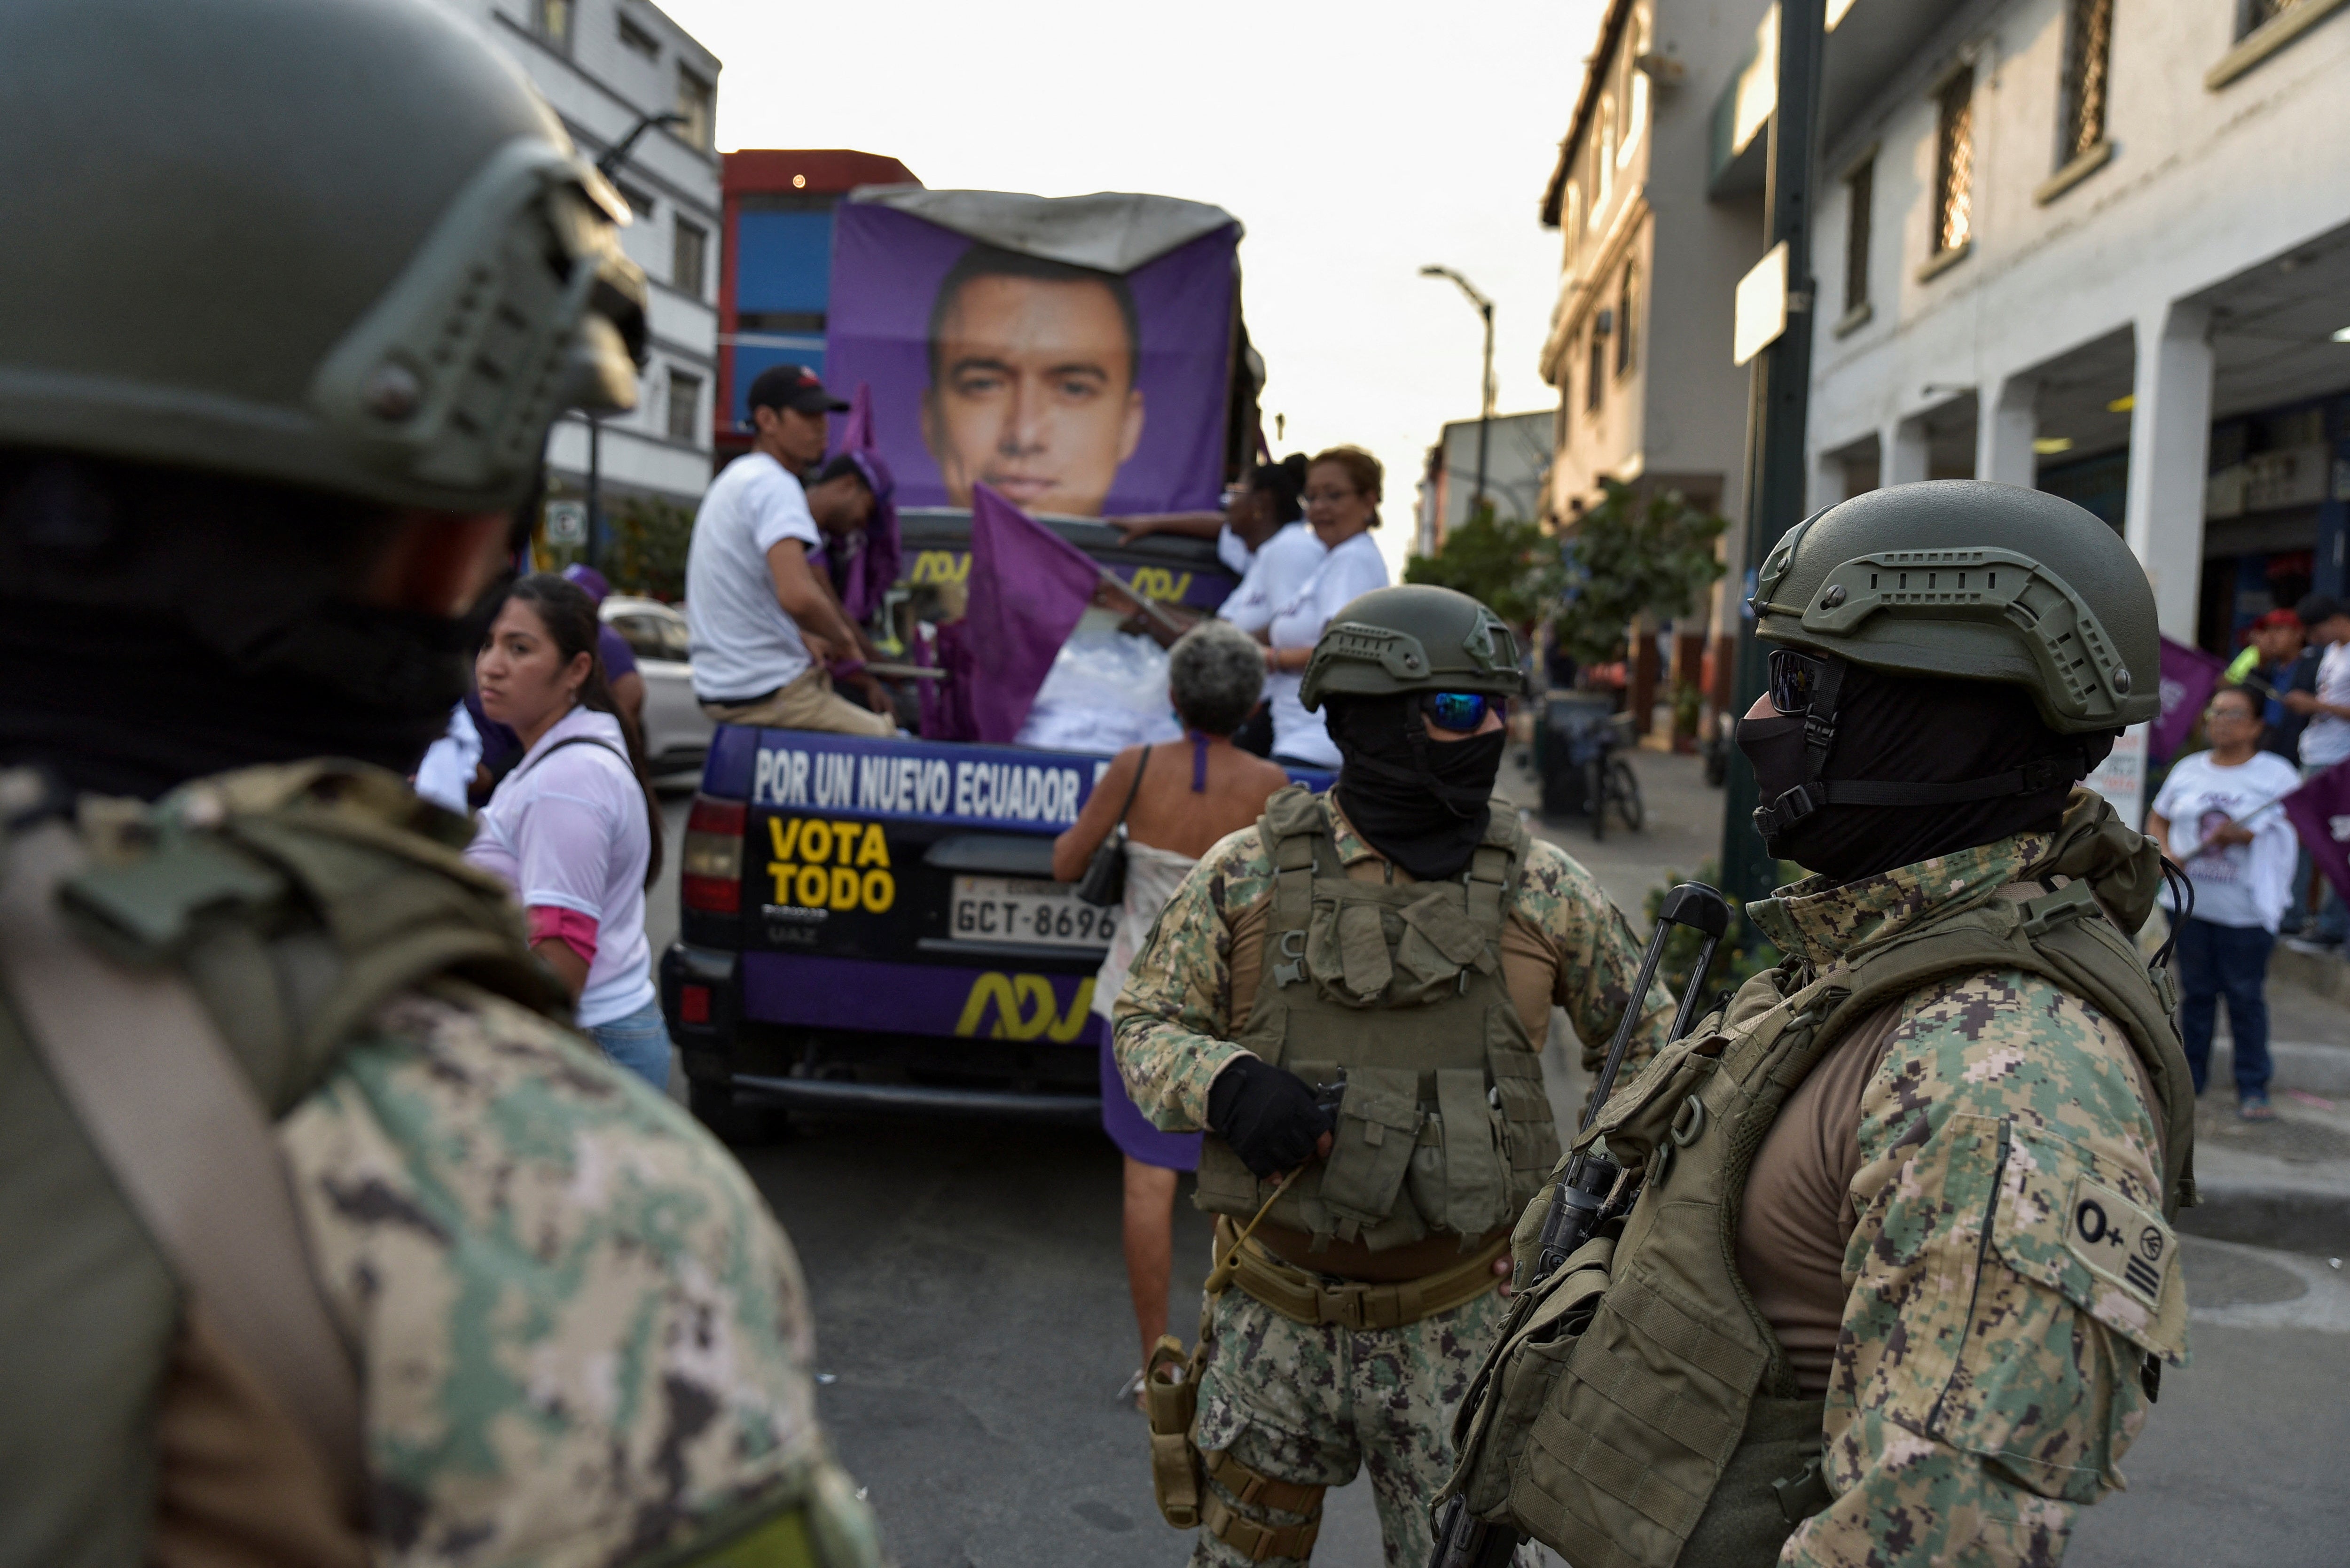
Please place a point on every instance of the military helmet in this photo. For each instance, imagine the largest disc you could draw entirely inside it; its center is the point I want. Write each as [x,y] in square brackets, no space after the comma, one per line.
[1417,638]
[343,247]
[1961,579]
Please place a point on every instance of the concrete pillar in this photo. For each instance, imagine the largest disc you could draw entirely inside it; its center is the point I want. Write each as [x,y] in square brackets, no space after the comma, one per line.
[1827,482]
[1902,455]
[2171,442]
[2003,433]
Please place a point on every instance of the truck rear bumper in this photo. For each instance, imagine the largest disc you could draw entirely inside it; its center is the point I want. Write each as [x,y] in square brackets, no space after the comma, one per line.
[916,1099]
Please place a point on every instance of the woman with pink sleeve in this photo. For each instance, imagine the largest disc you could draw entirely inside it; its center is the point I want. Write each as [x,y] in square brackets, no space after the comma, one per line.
[575,828]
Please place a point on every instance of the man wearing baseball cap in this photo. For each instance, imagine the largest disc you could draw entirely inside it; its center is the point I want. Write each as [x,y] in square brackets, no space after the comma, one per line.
[765,627]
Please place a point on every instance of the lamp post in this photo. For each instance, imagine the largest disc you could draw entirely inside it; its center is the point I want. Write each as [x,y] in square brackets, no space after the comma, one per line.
[609,166]
[1485,407]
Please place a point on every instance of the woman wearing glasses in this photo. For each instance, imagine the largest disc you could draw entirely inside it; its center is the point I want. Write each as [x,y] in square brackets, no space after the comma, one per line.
[1342,504]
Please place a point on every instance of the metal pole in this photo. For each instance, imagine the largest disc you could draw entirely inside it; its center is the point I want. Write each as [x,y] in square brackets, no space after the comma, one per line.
[595,492]
[1780,384]
[1485,410]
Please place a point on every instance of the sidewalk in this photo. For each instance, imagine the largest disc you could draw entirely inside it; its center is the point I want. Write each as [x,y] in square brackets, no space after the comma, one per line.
[1682,829]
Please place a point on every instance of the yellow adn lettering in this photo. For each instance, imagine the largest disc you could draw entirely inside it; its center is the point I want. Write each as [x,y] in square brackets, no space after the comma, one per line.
[824,865]
[1160,584]
[1024,1009]
[939,567]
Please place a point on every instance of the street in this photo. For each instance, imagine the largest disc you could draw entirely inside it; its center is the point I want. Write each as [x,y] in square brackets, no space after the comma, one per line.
[972,1325]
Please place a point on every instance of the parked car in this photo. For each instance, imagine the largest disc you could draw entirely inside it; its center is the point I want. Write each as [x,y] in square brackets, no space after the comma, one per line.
[677,732]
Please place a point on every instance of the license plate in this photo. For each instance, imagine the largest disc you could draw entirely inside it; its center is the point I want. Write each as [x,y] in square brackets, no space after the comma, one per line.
[1013,909]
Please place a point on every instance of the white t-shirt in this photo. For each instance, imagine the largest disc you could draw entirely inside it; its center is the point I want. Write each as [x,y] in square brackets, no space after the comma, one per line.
[1234,555]
[744,645]
[1273,577]
[447,771]
[567,830]
[2327,740]
[2238,884]
[1343,575]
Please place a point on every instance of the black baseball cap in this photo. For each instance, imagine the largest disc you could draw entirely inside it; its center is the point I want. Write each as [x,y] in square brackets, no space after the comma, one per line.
[792,387]
[2316,608]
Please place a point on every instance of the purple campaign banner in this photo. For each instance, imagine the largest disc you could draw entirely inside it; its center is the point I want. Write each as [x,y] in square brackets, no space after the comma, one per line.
[1033,385]
[2320,813]
[922,999]
[2189,677]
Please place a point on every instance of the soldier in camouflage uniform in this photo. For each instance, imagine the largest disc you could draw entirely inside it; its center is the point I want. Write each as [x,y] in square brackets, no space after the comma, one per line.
[328,1243]
[1427,940]
[1899,1282]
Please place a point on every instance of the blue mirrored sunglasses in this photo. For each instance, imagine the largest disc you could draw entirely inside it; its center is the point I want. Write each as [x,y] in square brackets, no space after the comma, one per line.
[1462,712]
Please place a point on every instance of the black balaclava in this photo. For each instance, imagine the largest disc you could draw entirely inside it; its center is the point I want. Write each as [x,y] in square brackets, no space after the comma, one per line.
[1902,730]
[1420,802]
[157,625]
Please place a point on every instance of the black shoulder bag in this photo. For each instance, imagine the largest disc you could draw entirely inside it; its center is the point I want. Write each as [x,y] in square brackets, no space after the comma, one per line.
[1104,883]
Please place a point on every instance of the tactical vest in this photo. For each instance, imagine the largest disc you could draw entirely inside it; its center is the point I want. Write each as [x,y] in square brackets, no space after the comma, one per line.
[1394,991]
[1636,1410]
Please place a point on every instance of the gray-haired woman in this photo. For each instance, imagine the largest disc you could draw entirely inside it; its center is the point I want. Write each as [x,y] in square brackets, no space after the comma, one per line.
[1214,675]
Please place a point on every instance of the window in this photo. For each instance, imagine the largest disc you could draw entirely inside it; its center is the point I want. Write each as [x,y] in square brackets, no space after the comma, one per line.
[1954,163]
[2089,46]
[553,20]
[698,101]
[684,406]
[688,258]
[1860,192]
[1595,371]
[637,40]
[1624,319]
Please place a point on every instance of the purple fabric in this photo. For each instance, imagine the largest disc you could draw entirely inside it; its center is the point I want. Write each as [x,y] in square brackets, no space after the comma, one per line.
[1131,1130]
[1198,764]
[2189,676]
[1028,587]
[873,570]
[589,580]
[946,704]
[501,747]
[618,656]
[2320,811]
[887,266]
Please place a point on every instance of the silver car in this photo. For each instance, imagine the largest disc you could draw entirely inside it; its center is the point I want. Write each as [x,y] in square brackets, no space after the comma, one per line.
[677,732]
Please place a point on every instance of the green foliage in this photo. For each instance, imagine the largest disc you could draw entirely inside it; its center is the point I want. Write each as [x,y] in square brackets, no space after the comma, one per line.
[646,553]
[1744,953]
[1628,558]
[1504,564]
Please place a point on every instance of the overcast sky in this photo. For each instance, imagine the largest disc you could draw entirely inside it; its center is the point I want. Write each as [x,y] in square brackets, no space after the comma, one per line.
[1357,142]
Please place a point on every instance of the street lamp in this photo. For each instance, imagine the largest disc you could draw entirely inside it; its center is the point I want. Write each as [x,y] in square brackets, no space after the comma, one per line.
[1486,410]
[609,166]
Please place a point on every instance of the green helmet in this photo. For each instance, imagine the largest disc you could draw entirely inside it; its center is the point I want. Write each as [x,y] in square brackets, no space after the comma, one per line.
[1412,638]
[1983,582]
[343,247]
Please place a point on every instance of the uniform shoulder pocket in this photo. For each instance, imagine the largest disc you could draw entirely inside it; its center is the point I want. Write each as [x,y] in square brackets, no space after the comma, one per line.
[2074,1222]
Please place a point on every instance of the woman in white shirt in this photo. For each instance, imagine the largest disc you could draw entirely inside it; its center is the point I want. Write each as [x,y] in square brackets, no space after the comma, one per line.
[575,828]
[2222,802]
[1342,503]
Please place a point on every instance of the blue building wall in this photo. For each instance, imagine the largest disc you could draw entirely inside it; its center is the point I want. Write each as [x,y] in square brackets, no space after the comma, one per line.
[782,269]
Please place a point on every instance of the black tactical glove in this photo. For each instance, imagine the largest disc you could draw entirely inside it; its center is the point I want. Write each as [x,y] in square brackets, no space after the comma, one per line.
[1266,1114]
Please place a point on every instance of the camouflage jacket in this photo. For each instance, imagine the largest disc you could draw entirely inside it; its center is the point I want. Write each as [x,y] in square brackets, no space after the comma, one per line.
[581,1338]
[1565,945]
[1970,1405]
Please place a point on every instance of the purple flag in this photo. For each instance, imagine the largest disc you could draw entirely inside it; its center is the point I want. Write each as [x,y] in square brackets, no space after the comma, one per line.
[2189,676]
[2320,811]
[1028,586]
[873,569]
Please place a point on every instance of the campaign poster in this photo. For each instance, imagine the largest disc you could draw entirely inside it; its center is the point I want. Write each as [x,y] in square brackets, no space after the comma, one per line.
[1072,391]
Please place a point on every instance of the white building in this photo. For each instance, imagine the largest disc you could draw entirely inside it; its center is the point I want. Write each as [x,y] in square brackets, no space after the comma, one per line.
[2103,247]
[604,64]
[1517,470]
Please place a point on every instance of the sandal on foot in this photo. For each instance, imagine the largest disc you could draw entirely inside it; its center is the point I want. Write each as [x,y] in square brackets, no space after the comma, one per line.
[2256,1108]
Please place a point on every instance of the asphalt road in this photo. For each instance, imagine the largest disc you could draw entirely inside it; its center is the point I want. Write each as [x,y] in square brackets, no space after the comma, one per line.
[972,1329]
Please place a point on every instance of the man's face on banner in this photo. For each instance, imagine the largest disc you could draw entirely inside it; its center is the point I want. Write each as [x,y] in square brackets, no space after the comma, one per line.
[1034,392]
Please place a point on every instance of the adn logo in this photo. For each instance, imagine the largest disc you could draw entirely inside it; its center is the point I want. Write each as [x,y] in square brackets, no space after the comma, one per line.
[1024,1009]
[823,865]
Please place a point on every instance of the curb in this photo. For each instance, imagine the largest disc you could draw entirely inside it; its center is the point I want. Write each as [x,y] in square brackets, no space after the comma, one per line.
[2327,975]
[2270,1214]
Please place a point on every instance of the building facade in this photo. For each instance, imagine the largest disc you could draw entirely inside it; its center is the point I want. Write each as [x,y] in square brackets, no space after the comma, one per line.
[775,267]
[2102,247]
[605,66]
[1518,456]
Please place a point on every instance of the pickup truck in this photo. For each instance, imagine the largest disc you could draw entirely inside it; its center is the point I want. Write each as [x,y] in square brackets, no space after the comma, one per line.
[873,924]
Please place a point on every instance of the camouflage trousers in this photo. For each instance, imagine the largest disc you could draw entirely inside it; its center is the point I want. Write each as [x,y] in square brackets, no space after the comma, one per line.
[1311,1404]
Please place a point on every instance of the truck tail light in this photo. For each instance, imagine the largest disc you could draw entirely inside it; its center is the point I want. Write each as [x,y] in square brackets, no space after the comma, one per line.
[693,1004]
[710,872]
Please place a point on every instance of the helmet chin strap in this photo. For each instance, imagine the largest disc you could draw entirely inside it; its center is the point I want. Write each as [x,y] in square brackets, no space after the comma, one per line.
[1819,738]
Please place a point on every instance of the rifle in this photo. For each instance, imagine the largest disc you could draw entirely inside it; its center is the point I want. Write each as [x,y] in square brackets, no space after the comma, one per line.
[1581,1200]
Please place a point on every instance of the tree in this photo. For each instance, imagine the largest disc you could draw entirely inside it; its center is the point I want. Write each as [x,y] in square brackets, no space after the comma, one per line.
[647,552]
[1628,558]
[1503,564]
